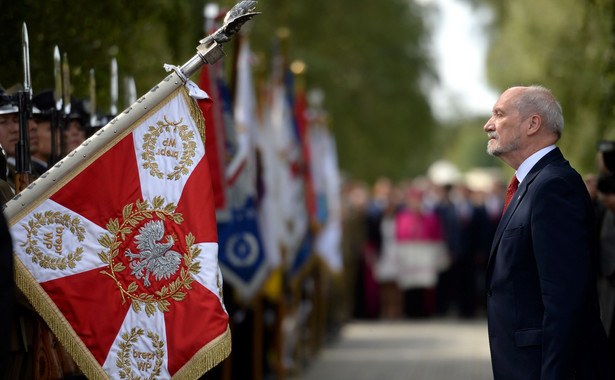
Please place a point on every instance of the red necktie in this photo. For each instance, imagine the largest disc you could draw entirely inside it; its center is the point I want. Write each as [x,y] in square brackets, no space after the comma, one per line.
[514,184]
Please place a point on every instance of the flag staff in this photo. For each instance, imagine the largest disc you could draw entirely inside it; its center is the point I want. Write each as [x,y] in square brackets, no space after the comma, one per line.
[208,51]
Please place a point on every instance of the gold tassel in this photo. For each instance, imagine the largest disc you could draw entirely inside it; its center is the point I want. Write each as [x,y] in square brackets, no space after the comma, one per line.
[207,358]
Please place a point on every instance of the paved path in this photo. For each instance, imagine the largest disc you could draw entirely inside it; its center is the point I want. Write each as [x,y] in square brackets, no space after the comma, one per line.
[437,349]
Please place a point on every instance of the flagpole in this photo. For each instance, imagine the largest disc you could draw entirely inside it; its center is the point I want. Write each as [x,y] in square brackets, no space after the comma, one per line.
[209,51]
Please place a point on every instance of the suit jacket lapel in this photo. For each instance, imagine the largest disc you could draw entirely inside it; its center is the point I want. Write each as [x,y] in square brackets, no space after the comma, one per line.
[550,157]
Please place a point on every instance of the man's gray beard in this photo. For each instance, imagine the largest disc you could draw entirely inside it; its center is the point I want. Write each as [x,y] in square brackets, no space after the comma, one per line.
[495,152]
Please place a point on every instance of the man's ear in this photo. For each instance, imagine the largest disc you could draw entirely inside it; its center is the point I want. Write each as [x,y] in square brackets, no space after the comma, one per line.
[535,122]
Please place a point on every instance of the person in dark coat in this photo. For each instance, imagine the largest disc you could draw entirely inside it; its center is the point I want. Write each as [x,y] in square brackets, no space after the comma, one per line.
[542,307]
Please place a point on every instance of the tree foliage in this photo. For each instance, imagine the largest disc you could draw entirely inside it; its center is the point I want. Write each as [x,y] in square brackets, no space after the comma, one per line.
[567,46]
[367,56]
[141,34]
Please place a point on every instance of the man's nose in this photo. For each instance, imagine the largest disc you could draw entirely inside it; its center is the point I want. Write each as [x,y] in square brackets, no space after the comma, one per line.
[488,126]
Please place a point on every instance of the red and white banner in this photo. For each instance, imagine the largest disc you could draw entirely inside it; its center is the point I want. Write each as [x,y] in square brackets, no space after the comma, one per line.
[121,257]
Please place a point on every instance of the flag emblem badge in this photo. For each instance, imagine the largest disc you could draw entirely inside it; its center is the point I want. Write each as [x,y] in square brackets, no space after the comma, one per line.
[173,144]
[46,236]
[145,247]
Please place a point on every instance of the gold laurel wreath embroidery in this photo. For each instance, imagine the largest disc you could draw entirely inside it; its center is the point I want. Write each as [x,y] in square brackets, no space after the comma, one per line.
[188,144]
[123,359]
[46,261]
[131,219]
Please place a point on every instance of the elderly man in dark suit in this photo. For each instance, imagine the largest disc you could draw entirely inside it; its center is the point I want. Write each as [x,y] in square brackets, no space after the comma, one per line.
[542,306]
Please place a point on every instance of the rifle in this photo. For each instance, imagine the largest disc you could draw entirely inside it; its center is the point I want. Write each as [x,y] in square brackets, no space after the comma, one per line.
[50,359]
[66,102]
[24,100]
[56,111]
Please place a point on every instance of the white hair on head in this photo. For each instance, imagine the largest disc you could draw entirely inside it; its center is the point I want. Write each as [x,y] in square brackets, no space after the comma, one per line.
[539,100]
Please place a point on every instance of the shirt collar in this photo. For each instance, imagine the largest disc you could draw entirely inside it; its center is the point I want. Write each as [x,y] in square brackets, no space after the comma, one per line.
[529,162]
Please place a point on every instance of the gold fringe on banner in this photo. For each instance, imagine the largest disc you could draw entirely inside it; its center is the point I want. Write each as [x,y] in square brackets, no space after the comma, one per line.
[206,358]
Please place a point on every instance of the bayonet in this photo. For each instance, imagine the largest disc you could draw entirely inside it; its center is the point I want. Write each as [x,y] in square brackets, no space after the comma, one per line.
[56,112]
[27,83]
[22,148]
[57,75]
[130,91]
[65,101]
[114,87]
[66,87]
[93,118]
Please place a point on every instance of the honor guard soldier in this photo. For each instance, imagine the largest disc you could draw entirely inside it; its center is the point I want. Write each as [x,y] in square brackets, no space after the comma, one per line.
[49,131]
[79,128]
[9,135]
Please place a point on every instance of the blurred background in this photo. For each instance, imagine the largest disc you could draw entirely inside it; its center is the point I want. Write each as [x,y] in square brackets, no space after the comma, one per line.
[380,64]
[407,86]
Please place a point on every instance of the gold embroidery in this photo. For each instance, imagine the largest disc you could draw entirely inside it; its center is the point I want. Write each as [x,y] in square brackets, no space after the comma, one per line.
[53,240]
[118,233]
[143,359]
[169,149]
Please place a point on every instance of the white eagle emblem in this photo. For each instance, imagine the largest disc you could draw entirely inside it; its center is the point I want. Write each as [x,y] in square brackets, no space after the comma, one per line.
[153,258]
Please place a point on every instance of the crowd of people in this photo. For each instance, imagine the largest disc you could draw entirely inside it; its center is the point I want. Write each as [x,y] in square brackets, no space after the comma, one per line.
[536,258]
[419,248]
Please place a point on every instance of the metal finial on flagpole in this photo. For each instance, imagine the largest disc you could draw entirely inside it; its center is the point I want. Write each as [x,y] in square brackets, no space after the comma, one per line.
[210,48]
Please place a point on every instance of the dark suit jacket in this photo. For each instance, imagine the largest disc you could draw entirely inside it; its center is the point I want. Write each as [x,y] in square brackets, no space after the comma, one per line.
[542,306]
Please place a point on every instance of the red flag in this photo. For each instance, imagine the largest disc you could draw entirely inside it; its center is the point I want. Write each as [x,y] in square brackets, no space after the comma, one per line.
[300,111]
[118,251]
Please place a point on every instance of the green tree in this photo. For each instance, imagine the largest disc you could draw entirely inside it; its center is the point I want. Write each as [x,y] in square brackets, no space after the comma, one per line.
[567,46]
[141,34]
[368,57]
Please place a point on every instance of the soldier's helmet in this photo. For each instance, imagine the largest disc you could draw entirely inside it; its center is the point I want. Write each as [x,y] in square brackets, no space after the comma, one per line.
[45,102]
[7,103]
[79,113]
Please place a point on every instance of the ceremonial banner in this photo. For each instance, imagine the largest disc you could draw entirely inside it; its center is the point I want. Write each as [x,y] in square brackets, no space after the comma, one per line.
[287,185]
[242,257]
[301,122]
[116,246]
[328,243]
